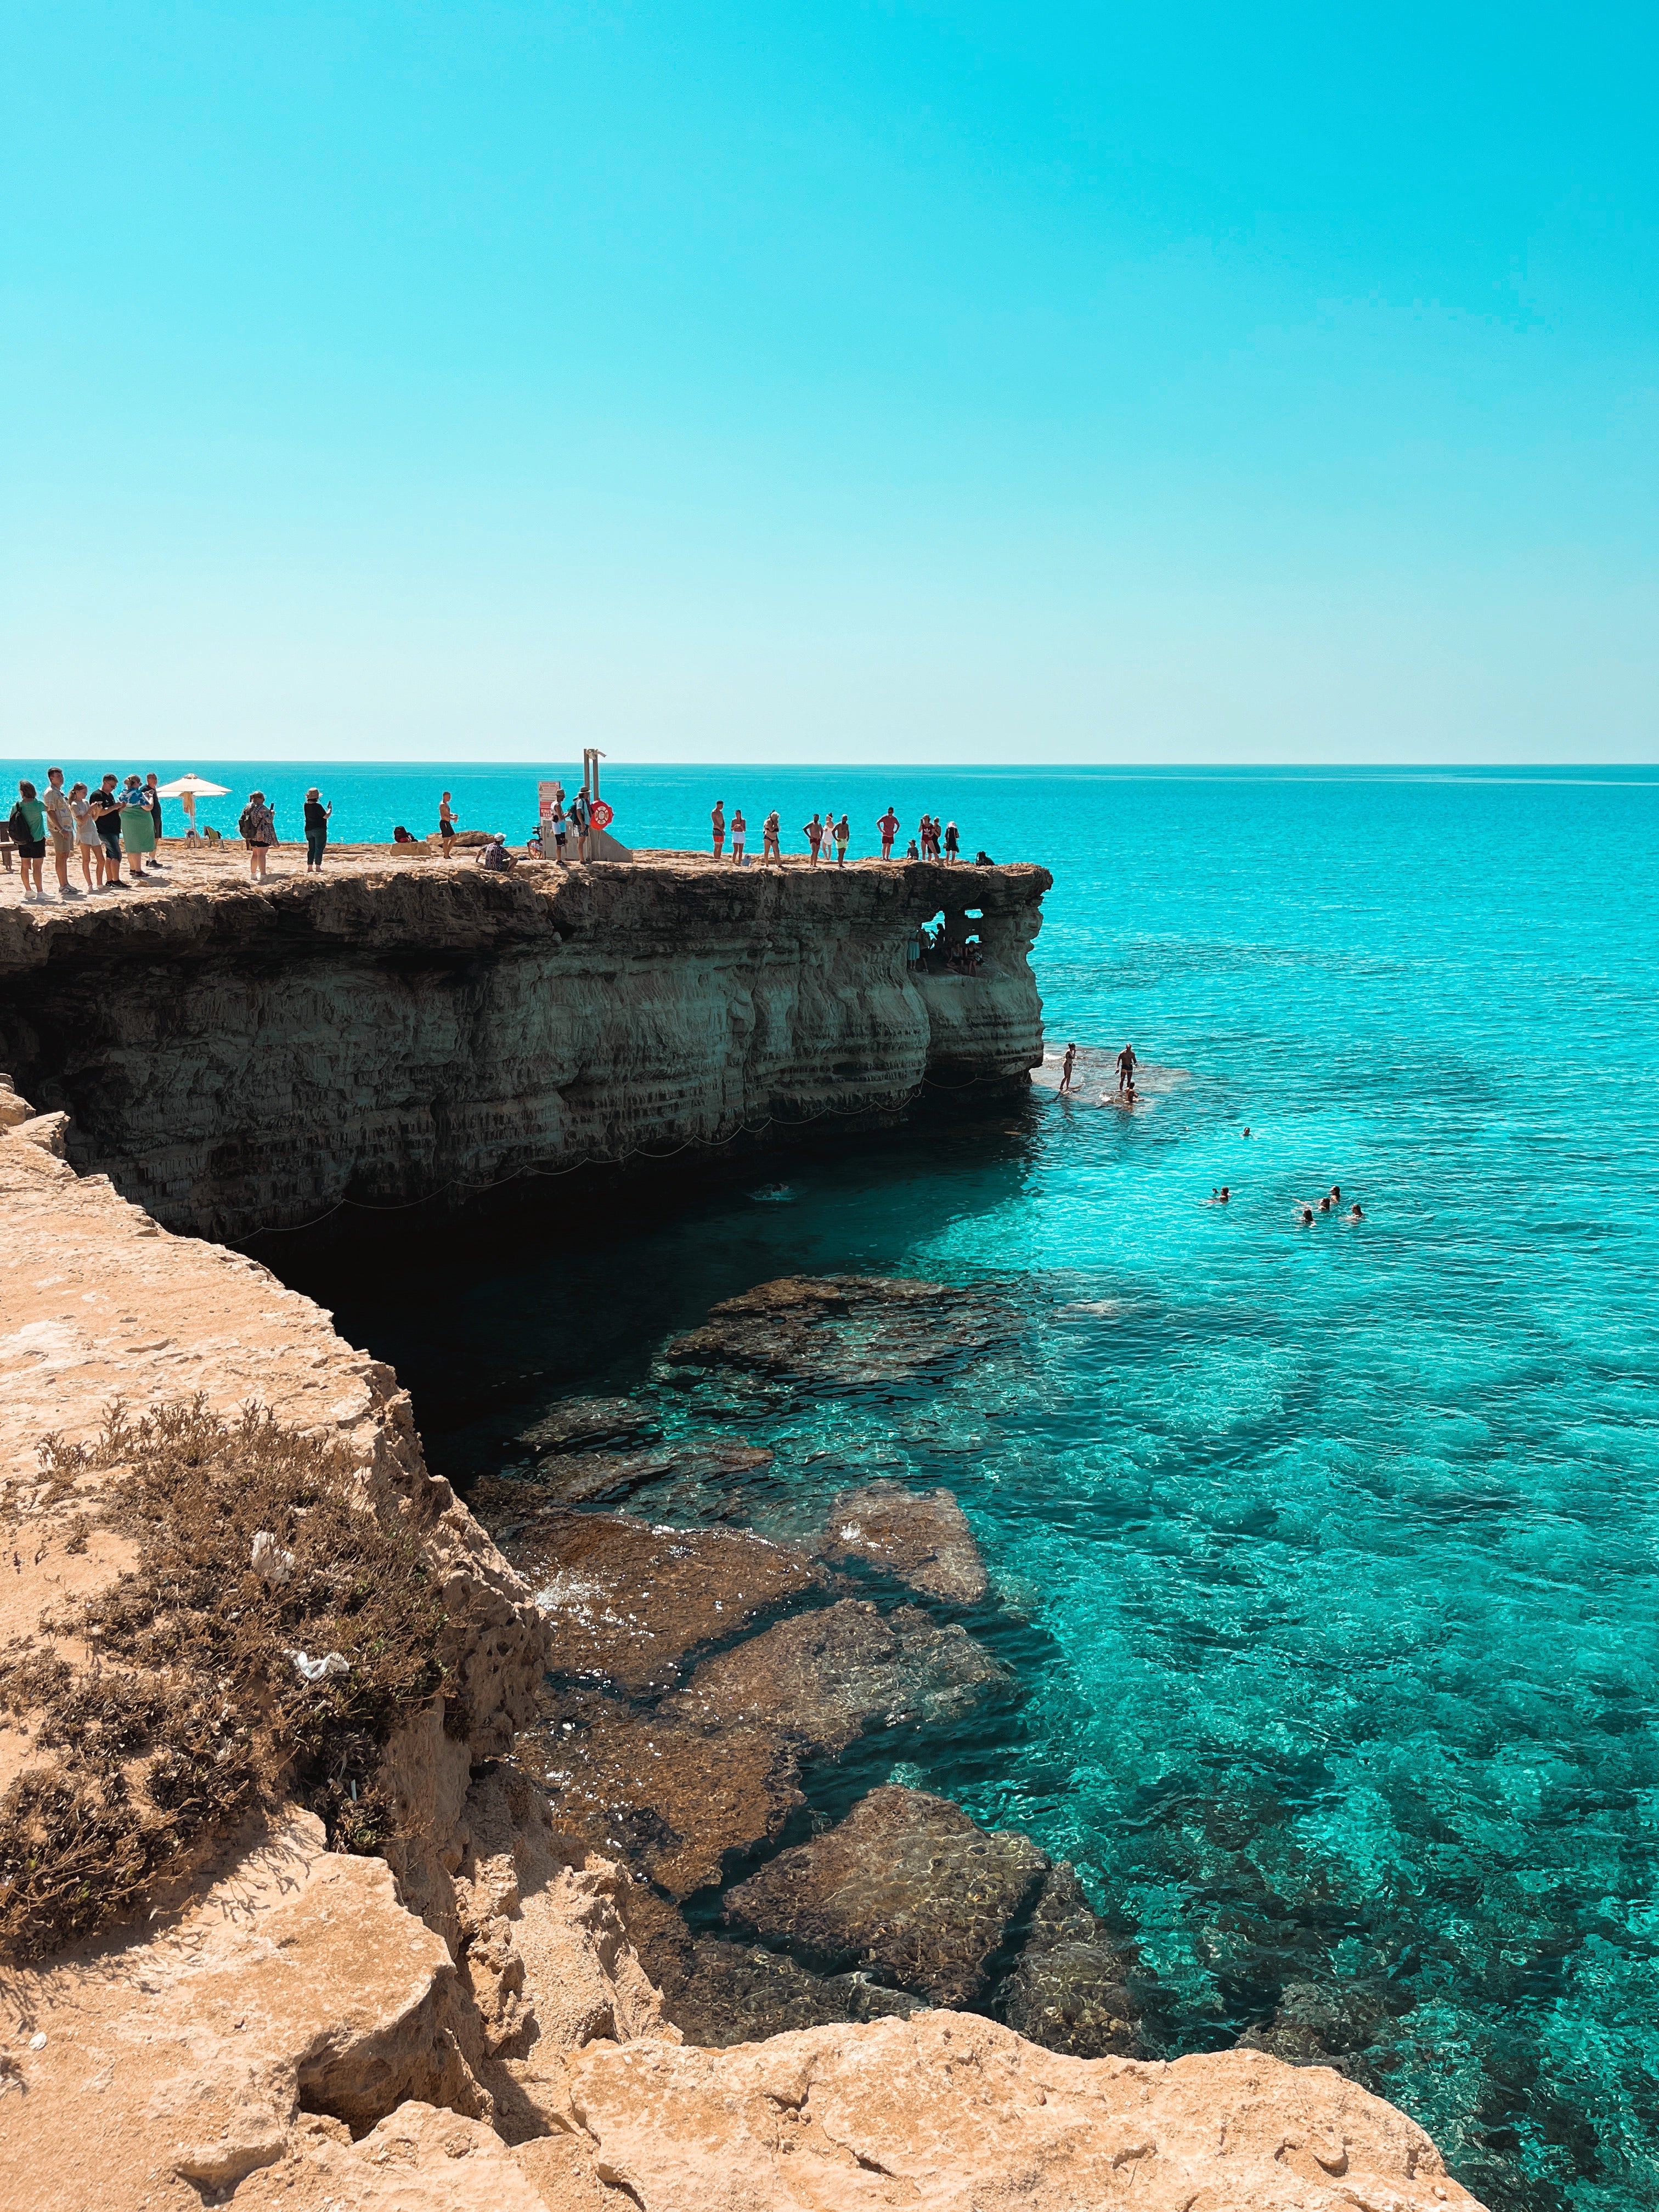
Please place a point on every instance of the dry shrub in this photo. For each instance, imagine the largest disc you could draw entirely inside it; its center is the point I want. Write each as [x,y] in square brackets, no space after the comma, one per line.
[195,1711]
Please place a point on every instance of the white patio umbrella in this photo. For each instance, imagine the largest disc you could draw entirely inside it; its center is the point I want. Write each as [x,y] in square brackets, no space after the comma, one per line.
[189,788]
[193,786]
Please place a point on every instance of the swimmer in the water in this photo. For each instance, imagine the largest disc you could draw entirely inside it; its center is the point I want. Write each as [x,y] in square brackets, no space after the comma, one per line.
[1222,1197]
[1324,1206]
[1336,1193]
[1354,1214]
[1307,1216]
[1067,1066]
[1247,1128]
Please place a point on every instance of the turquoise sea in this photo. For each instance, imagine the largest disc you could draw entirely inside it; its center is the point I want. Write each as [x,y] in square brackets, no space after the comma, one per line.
[1325,1558]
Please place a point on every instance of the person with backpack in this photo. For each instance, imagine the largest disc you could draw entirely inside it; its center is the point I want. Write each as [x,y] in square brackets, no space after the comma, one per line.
[27,825]
[579,813]
[257,826]
[316,830]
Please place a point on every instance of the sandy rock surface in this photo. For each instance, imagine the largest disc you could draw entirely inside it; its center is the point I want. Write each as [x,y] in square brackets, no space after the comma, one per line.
[952,2113]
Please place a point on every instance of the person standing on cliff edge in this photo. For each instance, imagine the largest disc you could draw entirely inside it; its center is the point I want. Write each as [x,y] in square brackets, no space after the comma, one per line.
[813,834]
[446,824]
[316,830]
[888,827]
[771,833]
[717,824]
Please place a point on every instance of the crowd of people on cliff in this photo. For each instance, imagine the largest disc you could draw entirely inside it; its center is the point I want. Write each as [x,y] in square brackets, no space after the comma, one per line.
[828,833]
[103,826]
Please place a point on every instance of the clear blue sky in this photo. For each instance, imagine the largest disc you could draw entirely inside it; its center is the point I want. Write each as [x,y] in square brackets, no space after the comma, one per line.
[829,381]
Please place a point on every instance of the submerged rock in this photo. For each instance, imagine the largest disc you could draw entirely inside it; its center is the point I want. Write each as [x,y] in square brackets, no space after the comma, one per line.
[1069,1990]
[739,1993]
[1322,2024]
[823,1677]
[586,1424]
[843,1332]
[674,1799]
[627,1600]
[921,1537]
[907,1884]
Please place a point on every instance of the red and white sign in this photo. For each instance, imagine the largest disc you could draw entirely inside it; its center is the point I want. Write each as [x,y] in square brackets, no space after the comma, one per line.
[602,815]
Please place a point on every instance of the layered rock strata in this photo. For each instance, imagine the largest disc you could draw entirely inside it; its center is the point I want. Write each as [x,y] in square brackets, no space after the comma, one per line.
[240,1059]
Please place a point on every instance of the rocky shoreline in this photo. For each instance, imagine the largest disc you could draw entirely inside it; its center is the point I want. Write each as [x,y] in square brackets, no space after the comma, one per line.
[518,1902]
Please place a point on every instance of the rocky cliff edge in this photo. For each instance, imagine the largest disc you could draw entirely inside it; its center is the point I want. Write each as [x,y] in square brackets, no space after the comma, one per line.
[460,2019]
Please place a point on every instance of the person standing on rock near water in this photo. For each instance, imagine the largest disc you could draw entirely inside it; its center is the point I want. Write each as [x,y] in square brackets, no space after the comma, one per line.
[1126,1068]
[258,827]
[316,830]
[771,835]
[844,835]
[446,824]
[888,827]
[1067,1066]
[717,824]
[138,827]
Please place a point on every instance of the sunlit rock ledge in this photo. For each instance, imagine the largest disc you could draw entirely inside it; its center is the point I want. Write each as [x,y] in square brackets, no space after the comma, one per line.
[238,1057]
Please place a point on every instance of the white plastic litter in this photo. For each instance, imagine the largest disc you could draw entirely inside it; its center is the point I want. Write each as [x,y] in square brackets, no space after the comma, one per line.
[37,2043]
[270,1560]
[313,1670]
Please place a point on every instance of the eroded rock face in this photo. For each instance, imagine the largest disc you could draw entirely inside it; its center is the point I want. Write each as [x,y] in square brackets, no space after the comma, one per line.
[626,1602]
[948,2112]
[907,1886]
[1069,1990]
[921,1537]
[842,1333]
[824,1677]
[426,1028]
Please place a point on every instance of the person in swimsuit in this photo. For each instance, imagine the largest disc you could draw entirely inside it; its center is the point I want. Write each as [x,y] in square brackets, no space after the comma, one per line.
[1307,1216]
[771,833]
[888,827]
[739,837]
[1354,1214]
[1126,1069]
[1067,1066]
[446,824]
[844,835]
[1222,1197]
[1336,1193]
[1247,1128]
[717,824]
[813,834]
[1324,1206]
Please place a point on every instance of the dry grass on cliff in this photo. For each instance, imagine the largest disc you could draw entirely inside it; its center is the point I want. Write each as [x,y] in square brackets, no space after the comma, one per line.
[193,1710]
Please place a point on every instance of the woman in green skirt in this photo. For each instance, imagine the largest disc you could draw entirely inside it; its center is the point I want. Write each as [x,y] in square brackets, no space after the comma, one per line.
[138,827]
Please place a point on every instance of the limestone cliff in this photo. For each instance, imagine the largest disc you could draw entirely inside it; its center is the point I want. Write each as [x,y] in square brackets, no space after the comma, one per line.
[238,1058]
[464,2024]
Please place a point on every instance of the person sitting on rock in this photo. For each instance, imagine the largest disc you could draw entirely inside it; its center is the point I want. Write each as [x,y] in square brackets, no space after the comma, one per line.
[495,856]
